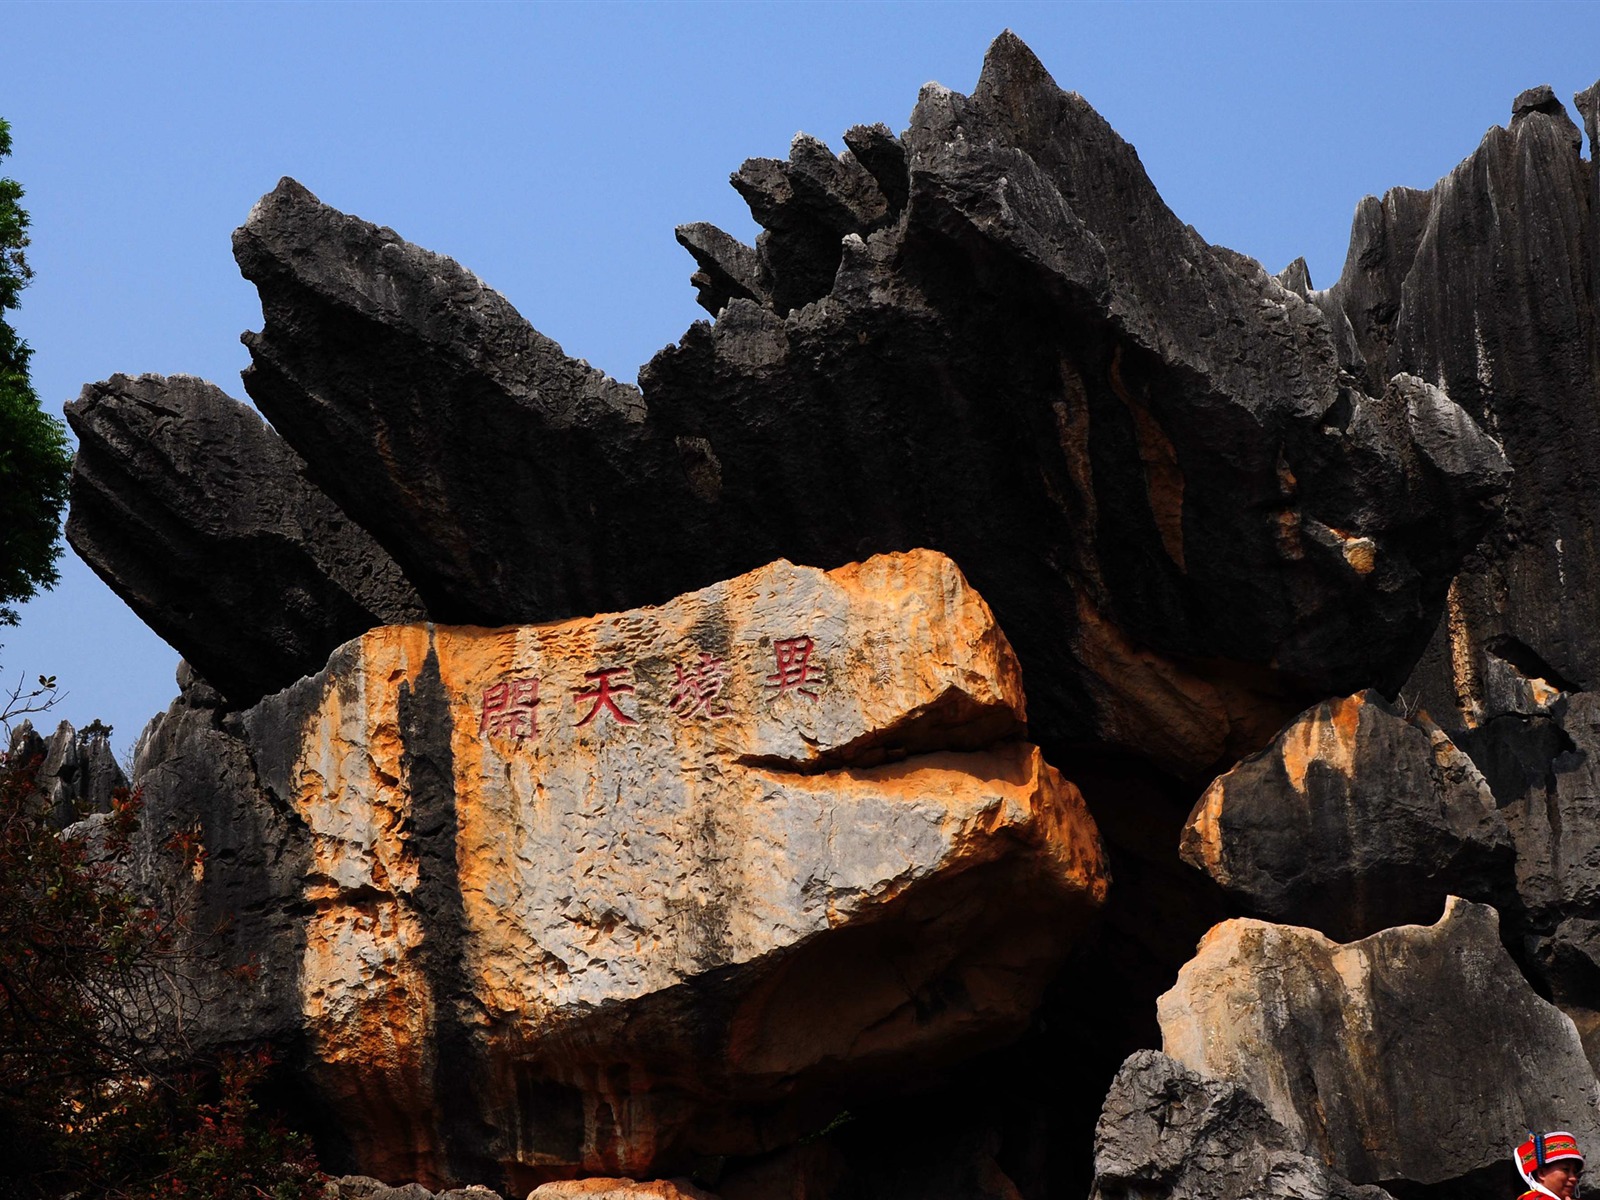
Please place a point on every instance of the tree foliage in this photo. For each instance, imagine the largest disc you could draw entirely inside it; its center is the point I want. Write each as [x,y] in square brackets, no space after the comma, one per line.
[92,1103]
[35,458]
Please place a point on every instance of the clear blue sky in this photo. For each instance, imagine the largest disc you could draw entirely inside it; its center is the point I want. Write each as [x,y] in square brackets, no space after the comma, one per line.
[552,147]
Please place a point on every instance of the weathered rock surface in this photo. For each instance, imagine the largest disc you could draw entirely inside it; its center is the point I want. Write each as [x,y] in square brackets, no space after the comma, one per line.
[619,1189]
[1485,285]
[228,860]
[364,1187]
[510,482]
[1169,1133]
[1356,818]
[77,772]
[971,337]
[601,894]
[1405,1056]
[623,894]
[199,517]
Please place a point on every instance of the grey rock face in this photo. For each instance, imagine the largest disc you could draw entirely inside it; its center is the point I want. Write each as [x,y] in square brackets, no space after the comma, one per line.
[509,481]
[1042,385]
[1356,818]
[237,892]
[197,515]
[1404,1057]
[1484,286]
[1169,1133]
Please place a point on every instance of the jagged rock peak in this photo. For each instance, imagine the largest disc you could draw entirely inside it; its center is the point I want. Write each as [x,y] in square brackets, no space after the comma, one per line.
[200,517]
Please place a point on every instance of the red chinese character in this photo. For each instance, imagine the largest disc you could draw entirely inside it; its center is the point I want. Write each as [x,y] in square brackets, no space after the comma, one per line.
[697,692]
[794,667]
[508,709]
[602,694]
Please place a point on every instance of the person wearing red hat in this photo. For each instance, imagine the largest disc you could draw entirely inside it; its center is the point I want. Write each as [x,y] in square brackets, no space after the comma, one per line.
[1550,1164]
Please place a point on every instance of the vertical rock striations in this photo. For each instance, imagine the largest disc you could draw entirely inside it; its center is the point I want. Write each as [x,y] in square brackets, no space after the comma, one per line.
[198,515]
[970,337]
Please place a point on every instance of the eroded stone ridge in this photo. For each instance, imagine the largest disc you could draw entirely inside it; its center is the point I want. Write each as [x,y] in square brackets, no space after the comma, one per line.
[971,336]
[1405,1056]
[199,516]
[596,893]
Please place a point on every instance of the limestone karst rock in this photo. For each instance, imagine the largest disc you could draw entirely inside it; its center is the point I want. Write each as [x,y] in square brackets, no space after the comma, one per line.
[198,516]
[1170,1133]
[239,893]
[1405,1056]
[972,339]
[1485,286]
[598,894]
[1354,819]
[77,770]
[600,1188]
[591,897]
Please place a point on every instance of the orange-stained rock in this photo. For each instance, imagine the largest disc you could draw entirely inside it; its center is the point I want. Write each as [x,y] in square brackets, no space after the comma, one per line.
[596,895]
[1401,1058]
[619,1189]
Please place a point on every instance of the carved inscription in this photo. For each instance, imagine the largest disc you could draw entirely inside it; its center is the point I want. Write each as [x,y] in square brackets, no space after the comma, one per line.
[698,692]
[602,694]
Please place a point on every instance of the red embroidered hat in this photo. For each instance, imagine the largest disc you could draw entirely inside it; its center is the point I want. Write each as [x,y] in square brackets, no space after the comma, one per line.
[1541,1149]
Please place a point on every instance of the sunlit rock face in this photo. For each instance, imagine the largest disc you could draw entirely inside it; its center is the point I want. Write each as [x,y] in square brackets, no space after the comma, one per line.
[597,894]
[1405,1056]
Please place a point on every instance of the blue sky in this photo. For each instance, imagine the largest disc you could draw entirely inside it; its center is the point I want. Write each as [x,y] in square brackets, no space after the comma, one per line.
[552,147]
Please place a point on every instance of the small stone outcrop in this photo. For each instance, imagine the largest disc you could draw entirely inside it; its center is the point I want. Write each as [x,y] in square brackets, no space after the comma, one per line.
[199,516]
[1169,1133]
[1356,818]
[597,1188]
[1402,1057]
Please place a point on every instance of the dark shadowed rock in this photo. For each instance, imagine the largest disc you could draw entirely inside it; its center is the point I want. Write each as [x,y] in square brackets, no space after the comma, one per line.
[988,336]
[1485,286]
[226,858]
[1354,819]
[1025,378]
[1169,1133]
[728,268]
[1405,1057]
[197,515]
[509,481]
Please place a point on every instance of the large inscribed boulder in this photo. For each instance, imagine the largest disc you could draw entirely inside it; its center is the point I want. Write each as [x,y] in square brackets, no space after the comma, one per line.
[598,894]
